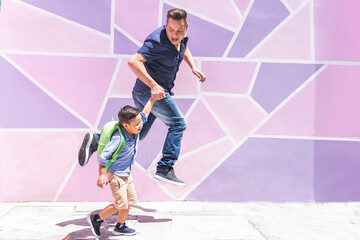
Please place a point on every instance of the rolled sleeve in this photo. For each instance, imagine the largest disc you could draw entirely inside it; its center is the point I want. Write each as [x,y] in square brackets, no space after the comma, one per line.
[143,117]
[149,50]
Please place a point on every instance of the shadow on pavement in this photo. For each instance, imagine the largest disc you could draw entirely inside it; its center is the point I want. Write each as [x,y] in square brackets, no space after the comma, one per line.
[108,224]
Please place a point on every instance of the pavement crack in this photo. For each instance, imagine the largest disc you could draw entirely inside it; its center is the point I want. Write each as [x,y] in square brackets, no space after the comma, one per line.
[257,228]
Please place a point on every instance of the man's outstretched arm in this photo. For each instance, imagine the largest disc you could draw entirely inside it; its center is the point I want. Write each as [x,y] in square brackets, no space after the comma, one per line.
[136,64]
[190,61]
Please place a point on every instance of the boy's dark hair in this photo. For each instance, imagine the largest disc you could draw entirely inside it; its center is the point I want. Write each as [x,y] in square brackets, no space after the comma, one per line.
[177,14]
[127,113]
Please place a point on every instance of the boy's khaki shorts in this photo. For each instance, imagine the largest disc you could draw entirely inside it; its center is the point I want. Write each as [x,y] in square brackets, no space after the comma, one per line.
[123,190]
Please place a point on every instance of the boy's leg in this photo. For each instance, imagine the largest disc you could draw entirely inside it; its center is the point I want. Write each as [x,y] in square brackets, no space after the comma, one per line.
[95,220]
[121,228]
[88,147]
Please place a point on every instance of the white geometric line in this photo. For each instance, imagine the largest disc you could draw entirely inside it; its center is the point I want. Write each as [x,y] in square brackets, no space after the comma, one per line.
[192,96]
[256,60]
[258,106]
[214,115]
[192,188]
[237,31]
[219,94]
[66,179]
[203,147]
[252,83]
[128,35]
[155,181]
[255,129]
[275,30]
[50,94]
[68,130]
[198,82]
[116,95]
[286,5]
[235,7]
[76,24]
[161,4]
[301,87]
[218,59]
[312,30]
[112,82]
[199,15]
[64,54]
[112,26]
[192,107]
[350,139]
[159,155]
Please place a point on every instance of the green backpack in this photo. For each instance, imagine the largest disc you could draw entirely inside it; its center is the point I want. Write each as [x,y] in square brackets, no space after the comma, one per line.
[107,132]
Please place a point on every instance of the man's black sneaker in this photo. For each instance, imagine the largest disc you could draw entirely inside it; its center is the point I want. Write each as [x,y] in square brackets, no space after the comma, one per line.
[95,223]
[88,147]
[169,177]
[123,230]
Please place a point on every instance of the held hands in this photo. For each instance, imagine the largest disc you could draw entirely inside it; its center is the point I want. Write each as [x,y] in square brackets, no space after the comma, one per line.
[101,181]
[157,93]
[199,74]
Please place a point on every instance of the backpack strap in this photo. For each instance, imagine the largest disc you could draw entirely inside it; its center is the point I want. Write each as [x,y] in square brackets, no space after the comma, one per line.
[119,149]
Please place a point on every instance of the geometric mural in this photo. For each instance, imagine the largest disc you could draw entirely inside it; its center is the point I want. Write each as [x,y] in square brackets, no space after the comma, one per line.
[276,120]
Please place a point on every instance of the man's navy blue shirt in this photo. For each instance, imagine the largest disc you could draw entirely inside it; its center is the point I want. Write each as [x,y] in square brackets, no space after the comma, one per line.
[162,60]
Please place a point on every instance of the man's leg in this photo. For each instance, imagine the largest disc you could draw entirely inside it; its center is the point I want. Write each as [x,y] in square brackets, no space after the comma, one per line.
[140,101]
[169,113]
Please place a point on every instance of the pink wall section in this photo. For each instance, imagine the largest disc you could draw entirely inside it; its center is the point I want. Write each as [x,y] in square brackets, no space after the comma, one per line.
[271,125]
[37,171]
[210,9]
[323,108]
[66,81]
[27,29]
[336,37]
[292,41]
[228,77]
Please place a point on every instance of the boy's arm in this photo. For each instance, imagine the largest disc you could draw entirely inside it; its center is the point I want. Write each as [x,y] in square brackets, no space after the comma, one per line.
[104,157]
[101,179]
[148,107]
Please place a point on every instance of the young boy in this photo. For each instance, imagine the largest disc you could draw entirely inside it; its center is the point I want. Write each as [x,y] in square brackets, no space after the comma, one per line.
[118,175]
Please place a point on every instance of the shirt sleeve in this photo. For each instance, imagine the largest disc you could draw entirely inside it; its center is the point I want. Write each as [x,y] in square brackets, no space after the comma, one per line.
[143,117]
[109,149]
[150,50]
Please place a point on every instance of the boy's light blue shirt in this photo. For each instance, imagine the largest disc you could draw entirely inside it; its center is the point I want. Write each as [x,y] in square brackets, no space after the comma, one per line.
[123,163]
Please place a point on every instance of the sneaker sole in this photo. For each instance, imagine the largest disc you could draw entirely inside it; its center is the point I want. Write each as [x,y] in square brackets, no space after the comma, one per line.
[91,226]
[168,181]
[84,150]
[122,234]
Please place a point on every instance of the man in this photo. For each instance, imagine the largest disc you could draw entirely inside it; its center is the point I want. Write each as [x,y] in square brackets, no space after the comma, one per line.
[155,65]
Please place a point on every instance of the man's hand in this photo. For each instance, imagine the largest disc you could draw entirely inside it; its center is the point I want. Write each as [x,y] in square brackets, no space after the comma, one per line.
[157,92]
[199,74]
[101,181]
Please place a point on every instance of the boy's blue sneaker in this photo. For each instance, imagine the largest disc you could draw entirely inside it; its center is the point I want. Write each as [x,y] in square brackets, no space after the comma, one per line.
[88,147]
[95,223]
[169,177]
[122,229]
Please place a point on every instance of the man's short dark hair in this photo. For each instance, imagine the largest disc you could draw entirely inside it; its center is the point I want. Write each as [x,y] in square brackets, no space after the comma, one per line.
[127,113]
[177,14]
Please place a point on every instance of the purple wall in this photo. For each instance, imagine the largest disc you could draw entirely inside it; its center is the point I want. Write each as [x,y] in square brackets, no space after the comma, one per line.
[277,119]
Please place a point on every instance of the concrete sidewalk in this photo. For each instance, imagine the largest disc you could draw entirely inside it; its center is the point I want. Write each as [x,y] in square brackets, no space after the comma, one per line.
[186,220]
